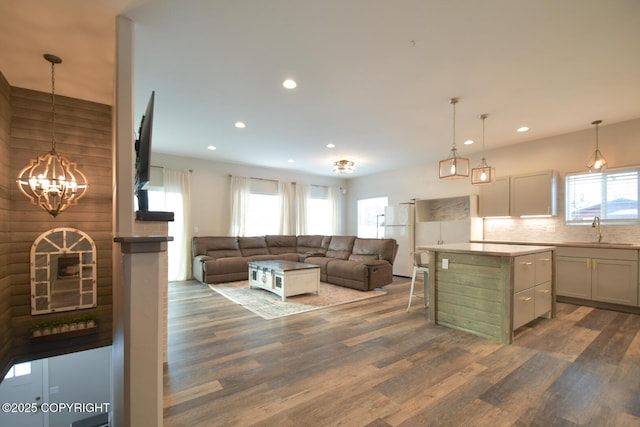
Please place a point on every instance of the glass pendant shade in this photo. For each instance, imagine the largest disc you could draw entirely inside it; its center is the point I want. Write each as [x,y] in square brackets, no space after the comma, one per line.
[597,162]
[483,174]
[454,166]
[51,181]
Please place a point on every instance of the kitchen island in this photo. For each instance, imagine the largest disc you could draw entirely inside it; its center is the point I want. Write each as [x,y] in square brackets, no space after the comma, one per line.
[490,289]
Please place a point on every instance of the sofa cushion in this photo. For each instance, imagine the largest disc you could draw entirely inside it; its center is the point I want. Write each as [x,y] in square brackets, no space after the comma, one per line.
[218,247]
[381,248]
[253,246]
[363,258]
[340,247]
[281,244]
[347,269]
[313,244]
[321,262]
[226,266]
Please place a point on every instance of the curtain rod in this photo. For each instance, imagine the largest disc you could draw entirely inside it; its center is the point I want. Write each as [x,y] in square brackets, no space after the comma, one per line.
[260,179]
[292,182]
[162,167]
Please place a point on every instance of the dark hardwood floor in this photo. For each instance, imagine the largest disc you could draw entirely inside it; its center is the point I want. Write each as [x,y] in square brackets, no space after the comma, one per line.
[371,363]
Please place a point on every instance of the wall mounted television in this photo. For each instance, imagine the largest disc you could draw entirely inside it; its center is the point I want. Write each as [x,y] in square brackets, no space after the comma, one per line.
[143,167]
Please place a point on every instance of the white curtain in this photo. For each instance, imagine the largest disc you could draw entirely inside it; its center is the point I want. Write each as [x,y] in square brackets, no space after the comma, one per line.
[287,211]
[303,192]
[335,199]
[178,200]
[240,188]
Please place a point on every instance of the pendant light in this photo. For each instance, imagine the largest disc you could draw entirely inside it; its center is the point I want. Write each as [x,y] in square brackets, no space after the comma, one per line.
[51,181]
[483,174]
[597,162]
[454,166]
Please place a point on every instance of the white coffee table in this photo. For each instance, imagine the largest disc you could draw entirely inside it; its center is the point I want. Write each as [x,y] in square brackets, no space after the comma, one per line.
[284,278]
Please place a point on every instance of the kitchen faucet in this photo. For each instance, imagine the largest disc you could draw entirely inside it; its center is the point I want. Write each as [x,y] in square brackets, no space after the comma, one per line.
[596,224]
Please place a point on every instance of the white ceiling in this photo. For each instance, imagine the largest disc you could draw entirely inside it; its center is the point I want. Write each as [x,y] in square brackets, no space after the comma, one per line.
[374,76]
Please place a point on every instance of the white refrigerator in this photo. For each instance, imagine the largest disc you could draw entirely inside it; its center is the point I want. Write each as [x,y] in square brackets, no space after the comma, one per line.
[399,225]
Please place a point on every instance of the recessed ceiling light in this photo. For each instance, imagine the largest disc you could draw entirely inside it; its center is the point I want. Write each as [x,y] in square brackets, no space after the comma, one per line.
[211,147]
[291,161]
[289,84]
[240,125]
[522,129]
[468,142]
[331,145]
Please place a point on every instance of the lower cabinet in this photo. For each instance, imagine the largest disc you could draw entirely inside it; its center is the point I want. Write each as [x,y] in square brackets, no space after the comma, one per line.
[533,296]
[604,275]
[531,303]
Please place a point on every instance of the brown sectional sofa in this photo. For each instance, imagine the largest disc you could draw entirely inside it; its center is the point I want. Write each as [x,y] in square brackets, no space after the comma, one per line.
[348,261]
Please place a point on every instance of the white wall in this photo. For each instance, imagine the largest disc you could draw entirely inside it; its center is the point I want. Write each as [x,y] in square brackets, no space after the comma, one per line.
[83,377]
[620,144]
[210,200]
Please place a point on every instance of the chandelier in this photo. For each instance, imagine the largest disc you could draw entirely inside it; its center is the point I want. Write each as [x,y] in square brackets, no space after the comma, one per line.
[597,162]
[454,166]
[483,174]
[51,181]
[343,166]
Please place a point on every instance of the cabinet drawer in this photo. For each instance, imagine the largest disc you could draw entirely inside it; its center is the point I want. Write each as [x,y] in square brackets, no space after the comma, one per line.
[524,272]
[523,308]
[542,299]
[544,262]
[618,254]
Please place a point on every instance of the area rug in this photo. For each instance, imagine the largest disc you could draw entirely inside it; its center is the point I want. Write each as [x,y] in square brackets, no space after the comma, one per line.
[270,306]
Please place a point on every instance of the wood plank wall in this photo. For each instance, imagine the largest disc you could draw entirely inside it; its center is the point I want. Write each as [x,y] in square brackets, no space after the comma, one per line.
[83,135]
[5,237]
[473,294]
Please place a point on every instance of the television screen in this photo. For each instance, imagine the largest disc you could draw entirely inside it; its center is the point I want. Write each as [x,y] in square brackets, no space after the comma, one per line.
[143,155]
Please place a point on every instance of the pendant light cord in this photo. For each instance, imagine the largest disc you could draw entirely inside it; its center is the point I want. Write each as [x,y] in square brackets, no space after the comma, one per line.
[454,102]
[484,117]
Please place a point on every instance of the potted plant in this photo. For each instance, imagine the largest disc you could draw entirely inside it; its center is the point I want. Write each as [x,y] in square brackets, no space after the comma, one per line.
[46,329]
[91,322]
[36,330]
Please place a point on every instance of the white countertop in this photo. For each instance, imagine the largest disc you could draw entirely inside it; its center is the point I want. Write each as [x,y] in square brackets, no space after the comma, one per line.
[601,245]
[487,248]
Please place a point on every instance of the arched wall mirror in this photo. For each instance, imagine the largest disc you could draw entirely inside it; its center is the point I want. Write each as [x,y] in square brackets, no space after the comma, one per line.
[63,271]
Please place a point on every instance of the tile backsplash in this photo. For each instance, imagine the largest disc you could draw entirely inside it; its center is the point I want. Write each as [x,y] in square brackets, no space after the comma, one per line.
[554,230]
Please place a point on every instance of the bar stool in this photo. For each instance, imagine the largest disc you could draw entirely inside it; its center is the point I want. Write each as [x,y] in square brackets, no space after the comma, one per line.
[419,267]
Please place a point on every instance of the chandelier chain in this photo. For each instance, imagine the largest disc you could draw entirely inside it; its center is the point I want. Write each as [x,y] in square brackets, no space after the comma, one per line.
[53,106]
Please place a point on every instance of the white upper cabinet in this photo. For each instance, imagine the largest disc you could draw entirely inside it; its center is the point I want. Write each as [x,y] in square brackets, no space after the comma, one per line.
[520,195]
[534,194]
[494,198]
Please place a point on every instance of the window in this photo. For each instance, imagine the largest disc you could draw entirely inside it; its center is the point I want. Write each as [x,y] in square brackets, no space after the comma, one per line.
[371,217]
[18,370]
[263,214]
[319,216]
[611,195]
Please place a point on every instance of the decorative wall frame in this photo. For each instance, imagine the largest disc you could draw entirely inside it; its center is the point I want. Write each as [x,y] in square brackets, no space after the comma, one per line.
[63,271]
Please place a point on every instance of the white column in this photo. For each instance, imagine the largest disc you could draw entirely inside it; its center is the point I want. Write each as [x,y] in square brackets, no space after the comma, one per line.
[144,278]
